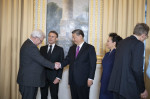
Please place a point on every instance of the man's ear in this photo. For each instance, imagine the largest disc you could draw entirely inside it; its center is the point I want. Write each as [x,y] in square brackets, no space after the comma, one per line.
[57,39]
[142,35]
[114,43]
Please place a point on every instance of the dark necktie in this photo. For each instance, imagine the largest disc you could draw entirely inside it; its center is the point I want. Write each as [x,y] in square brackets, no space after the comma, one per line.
[50,51]
[77,51]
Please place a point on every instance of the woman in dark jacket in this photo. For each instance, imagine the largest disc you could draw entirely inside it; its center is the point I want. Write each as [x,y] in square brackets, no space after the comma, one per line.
[107,64]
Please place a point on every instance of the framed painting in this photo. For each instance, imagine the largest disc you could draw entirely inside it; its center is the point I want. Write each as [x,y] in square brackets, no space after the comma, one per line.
[64,16]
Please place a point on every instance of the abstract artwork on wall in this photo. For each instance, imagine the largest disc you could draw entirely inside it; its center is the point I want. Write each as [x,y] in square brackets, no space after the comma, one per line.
[64,16]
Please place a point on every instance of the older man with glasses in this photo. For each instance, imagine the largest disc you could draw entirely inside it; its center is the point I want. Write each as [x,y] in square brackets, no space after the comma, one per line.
[31,73]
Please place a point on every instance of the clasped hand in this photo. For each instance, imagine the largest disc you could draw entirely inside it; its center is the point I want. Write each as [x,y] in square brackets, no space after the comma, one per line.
[57,65]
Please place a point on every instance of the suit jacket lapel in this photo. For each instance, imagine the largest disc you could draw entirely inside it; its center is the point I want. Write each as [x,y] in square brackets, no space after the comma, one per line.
[47,52]
[55,49]
[46,49]
[74,51]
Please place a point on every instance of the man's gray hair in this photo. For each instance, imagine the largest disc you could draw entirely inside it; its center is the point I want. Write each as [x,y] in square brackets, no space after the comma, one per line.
[141,28]
[37,33]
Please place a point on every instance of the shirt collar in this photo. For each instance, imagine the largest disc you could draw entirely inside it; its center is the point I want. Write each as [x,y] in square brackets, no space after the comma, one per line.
[135,36]
[52,45]
[81,44]
[30,40]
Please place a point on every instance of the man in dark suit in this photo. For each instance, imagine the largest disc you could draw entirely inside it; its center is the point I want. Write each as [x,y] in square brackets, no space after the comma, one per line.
[53,53]
[127,80]
[82,60]
[31,73]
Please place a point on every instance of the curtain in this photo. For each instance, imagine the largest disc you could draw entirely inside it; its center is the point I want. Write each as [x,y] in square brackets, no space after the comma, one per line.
[121,16]
[16,23]
[147,53]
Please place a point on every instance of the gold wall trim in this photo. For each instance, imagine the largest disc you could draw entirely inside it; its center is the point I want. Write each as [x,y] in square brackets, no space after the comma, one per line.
[96,23]
[95,36]
[101,30]
[38,10]
[40,16]
[99,59]
[90,21]
[34,14]
[44,16]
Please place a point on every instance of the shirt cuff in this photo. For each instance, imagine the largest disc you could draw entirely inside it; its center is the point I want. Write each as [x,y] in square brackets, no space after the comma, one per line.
[90,79]
[60,66]
[58,78]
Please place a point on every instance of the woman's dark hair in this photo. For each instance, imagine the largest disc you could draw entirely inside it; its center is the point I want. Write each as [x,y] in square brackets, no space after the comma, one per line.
[115,38]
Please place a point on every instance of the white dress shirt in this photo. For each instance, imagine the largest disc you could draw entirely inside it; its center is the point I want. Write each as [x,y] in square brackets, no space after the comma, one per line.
[53,45]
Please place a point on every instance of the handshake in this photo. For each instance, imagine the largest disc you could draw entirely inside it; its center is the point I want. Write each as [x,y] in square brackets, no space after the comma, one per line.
[57,65]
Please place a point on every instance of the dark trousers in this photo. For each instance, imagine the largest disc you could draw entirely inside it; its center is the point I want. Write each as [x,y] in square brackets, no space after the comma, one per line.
[79,92]
[118,96]
[28,92]
[53,90]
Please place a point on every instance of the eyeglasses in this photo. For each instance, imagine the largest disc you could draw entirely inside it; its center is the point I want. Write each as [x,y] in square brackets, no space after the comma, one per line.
[40,40]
